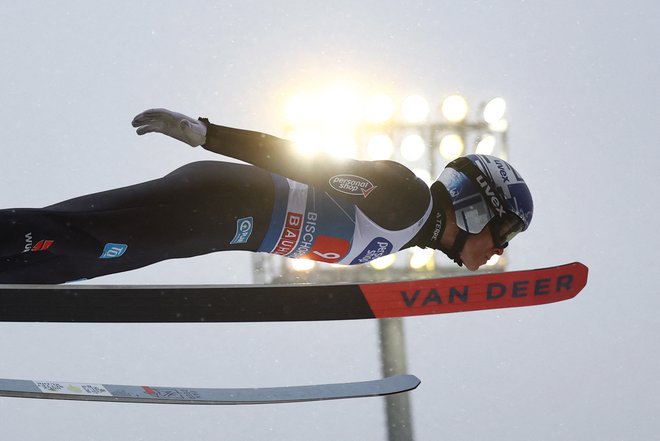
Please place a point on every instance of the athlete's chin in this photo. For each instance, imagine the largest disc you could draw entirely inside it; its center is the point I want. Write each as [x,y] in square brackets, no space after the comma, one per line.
[473,264]
[472,261]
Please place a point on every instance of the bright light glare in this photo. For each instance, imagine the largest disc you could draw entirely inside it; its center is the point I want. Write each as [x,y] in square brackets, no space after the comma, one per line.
[299,110]
[499,126]
[415,109]
[383,262]
[339,106]
[380,109]
[422,258]
[380,147]
[494,110]
[455,108]
[486,145]
[424,175]
[308,142]
[493,260]
[412,147]
[342,145]
[302,264]
[451,147]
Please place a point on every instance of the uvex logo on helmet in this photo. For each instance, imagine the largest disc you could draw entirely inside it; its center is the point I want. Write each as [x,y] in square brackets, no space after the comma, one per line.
[491,196]
[503,173]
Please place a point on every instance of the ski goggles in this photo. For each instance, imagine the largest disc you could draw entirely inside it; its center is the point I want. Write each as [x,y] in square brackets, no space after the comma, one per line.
[505,228]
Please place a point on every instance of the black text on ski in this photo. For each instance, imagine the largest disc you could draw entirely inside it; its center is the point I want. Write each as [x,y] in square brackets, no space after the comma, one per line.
[494,291]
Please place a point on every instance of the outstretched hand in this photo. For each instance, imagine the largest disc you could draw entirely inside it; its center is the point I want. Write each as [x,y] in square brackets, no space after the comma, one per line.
[176,125]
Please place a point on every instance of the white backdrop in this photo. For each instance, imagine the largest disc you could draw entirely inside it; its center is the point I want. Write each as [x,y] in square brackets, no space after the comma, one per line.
[581,83]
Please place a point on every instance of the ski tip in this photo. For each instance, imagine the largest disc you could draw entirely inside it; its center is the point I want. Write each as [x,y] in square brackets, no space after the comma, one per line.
[569,278]
[581,272]
[404,382]
[414,380]
[580,265]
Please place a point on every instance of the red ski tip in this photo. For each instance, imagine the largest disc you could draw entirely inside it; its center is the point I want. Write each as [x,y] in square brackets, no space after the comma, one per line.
[476,292]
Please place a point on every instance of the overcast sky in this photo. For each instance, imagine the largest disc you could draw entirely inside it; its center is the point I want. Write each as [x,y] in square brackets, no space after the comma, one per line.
[581,82]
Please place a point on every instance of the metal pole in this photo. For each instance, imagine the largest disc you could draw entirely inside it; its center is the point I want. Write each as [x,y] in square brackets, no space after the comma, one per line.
[397,407]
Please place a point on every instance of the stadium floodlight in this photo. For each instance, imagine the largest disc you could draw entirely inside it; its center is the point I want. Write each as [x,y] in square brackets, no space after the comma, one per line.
[485,144]
[383,262]
[412,147]
[451,146]
[299,110]
[339,106]
[342,145]
[500,126]
[415,109]
[379,109]
[422,258]
[455,108]
[380,146]
[493,260]
[424,175]
[307,141]
[494,110]
[301,265]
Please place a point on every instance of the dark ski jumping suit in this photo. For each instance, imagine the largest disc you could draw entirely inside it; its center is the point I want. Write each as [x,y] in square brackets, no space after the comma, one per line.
[316,207]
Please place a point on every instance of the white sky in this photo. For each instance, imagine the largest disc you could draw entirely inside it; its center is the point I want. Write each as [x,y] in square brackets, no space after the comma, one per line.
[581,82]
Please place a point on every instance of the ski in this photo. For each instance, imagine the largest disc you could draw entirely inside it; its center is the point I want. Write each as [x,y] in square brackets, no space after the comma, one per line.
[189,395]
[259,303]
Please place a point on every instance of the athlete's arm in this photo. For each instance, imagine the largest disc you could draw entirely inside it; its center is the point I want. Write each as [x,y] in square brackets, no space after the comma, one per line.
[386,191]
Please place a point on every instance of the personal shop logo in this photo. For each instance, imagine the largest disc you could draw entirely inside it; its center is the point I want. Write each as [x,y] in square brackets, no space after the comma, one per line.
[352,184]
[378,247]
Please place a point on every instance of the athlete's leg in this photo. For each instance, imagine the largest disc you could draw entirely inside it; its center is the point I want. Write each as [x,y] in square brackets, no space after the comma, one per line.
[192,211]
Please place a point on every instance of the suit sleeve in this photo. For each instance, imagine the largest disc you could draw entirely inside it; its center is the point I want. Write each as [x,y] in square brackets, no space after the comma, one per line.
[388,192]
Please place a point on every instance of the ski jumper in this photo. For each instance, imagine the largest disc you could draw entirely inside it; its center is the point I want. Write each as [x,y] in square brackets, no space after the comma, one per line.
[317,207]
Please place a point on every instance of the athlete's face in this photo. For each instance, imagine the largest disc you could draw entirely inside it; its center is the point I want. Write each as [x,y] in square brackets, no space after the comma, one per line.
[479,249]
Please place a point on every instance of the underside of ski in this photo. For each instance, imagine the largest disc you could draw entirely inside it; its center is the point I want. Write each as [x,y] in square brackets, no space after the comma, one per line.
[259,303]
[187,395]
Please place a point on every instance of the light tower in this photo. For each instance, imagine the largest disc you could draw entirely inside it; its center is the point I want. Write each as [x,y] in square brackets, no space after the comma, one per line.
[421,137]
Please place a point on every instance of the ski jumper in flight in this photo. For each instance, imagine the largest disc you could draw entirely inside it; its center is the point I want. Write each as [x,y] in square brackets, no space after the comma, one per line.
[318,207]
